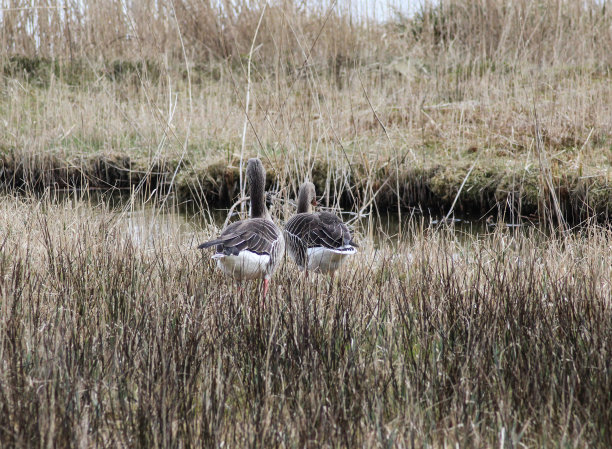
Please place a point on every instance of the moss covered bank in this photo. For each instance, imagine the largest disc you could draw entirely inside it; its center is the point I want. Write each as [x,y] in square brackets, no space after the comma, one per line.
[488,185]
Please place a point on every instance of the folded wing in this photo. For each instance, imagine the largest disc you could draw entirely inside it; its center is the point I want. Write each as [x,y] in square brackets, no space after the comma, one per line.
[323,229]
[257,235]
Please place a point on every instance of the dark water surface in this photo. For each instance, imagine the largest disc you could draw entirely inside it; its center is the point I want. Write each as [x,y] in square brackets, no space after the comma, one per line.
[149,218]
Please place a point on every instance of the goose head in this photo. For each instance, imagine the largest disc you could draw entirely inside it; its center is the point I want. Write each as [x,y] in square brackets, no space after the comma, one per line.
[307,198]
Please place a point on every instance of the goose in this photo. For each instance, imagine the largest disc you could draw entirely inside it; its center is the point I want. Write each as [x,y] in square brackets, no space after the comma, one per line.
[250,249]
[317,241]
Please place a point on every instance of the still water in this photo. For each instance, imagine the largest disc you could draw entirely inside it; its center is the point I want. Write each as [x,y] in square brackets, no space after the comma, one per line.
[148,220]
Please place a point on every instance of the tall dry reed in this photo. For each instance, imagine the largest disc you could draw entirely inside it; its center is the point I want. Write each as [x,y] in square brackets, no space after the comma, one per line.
[111,339]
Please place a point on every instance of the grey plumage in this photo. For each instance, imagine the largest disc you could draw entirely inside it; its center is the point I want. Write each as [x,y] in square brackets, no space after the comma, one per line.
[255,236]
[319,231]
[258,235]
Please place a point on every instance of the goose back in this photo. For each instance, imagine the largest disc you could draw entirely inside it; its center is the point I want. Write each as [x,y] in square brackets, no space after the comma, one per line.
[313,237]
[245,243]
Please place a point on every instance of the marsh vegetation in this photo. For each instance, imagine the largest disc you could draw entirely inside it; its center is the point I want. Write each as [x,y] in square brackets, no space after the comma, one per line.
[390,113]
[116,331]
[112,339]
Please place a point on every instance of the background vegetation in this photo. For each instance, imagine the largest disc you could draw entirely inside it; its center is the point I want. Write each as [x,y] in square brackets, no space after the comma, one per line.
[399,109]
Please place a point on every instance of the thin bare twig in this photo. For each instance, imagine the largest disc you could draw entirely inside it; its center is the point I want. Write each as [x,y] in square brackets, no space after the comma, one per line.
[384,128]
[240,202]
[545,172]
[186,141]
[450,211]
[246,106]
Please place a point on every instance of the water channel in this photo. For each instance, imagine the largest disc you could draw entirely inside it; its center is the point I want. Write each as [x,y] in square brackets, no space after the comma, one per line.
[148,219]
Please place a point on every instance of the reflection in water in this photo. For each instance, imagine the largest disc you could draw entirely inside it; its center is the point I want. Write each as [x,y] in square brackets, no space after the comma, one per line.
[147,222]
[386,228]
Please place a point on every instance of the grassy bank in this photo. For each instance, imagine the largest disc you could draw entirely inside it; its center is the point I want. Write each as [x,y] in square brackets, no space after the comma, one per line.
[109,340]
[485,186]
[390,113]
[522,158]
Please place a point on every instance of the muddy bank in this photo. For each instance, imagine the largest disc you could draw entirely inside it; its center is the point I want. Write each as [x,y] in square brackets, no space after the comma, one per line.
[430,187]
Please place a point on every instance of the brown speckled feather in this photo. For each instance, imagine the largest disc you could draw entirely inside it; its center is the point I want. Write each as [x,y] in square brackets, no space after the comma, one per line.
[317,230]
[321,229]
[257,235]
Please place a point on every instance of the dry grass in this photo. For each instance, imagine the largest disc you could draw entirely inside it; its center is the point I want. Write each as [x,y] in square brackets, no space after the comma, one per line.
[523,87]
[112,339]
[457,52]
[301,130]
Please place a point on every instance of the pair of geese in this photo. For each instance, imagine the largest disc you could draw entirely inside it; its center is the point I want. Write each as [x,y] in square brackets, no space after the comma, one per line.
[252,248]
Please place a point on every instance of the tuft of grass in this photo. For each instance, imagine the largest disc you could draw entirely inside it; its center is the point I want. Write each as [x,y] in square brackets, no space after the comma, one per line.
[114,333]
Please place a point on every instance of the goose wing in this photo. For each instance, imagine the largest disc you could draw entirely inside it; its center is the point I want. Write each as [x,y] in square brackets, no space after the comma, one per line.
[257,235]
[322,229]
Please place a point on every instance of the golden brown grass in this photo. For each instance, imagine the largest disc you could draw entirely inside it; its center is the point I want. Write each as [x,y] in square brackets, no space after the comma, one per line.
[112,337]
[522,88]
